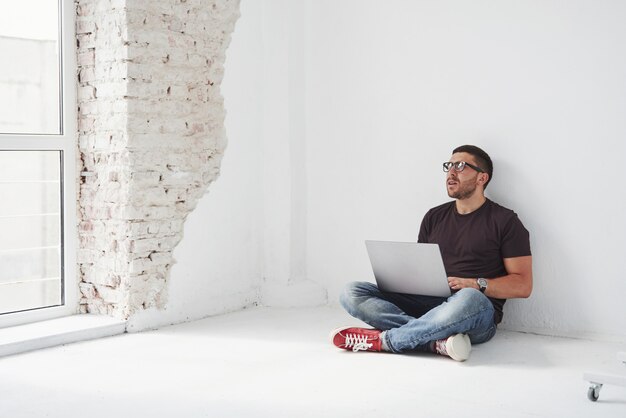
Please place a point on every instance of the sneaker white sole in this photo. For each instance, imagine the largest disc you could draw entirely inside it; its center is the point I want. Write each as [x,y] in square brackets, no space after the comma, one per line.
[334,332]
[459,347]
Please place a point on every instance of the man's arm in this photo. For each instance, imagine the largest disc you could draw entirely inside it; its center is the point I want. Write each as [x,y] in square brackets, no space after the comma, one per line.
[518,283]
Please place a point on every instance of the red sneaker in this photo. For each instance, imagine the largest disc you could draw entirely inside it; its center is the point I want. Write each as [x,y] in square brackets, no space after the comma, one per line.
[356,339]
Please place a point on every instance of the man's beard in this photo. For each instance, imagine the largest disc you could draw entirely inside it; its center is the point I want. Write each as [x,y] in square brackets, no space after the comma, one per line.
[463,192]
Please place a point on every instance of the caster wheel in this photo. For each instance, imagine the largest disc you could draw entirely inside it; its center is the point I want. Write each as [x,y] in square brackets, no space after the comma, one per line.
[593,393]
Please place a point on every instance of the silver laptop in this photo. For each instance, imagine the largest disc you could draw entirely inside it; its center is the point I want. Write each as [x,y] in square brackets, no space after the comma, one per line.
[408,267]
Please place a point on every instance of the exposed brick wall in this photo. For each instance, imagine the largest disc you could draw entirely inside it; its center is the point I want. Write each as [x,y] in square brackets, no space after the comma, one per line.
[151,138]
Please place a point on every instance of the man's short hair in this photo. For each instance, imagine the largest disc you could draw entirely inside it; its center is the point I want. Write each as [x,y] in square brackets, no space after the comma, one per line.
[482,159]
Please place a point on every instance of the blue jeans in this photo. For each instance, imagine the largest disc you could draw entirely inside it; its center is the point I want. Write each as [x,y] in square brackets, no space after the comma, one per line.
[412,322]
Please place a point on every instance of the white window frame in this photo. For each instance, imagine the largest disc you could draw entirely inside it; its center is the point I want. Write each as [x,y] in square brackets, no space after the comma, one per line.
[66,142]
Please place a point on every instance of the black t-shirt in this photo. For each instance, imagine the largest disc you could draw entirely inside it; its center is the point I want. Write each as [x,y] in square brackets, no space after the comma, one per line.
[474,245]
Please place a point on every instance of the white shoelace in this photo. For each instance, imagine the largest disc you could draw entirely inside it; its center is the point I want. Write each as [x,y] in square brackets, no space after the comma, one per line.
[358,342]
[440,347]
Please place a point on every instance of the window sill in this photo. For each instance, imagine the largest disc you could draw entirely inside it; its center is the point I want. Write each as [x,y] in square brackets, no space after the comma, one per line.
[59,331]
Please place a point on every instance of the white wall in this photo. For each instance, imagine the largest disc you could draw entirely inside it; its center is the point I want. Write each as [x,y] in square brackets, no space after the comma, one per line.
[285,161]
[361,103]
[538,84]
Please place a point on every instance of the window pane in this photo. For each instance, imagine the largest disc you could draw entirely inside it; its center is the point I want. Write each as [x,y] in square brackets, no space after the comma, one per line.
[30,221]
[29,74]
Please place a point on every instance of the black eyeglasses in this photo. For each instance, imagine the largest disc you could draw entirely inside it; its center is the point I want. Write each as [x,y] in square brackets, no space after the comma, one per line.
[460,166]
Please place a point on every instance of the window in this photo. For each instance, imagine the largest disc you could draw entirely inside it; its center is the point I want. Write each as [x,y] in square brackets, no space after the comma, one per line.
[37,161]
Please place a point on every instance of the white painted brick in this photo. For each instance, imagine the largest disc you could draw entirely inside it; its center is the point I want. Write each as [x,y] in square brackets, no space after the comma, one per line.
[161,258]
[151,139]
[149,264]
[180,178]
[111,89]
[87,290]
[86,40]
[141,196]
[86,57]
[84,26]
[86,93]
[145,245]
[85,8]
[105,278]
[145,179]
[109,294]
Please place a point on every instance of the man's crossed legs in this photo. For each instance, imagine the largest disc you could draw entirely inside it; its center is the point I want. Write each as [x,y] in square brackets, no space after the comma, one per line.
[415,323]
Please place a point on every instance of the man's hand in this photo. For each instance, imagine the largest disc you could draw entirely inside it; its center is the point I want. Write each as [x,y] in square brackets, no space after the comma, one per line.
[457,283]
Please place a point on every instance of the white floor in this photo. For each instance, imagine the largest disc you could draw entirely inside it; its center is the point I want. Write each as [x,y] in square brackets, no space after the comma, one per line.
[279,363]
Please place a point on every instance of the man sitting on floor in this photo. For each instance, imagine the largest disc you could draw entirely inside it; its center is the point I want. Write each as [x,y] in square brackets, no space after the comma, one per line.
[486,253]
